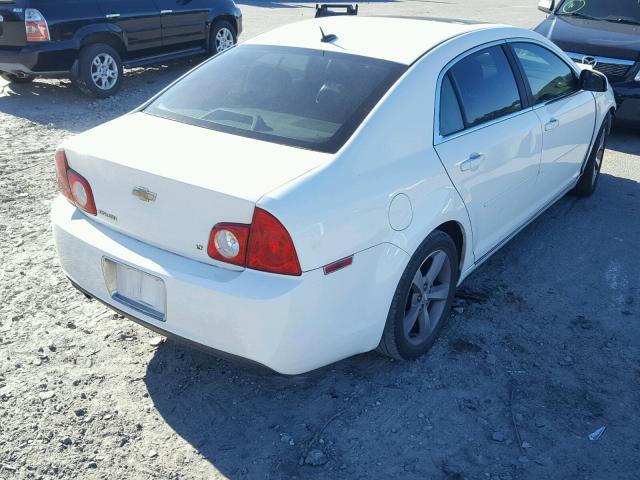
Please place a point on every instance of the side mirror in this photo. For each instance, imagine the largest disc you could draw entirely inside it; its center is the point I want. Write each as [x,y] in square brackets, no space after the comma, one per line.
[546,6]
[593,81]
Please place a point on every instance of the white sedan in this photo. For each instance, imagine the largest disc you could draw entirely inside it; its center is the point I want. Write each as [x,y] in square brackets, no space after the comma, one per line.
[315,193]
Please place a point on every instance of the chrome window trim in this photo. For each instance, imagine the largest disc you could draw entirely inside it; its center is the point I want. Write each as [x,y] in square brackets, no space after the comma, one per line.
[577,57]
[437,137]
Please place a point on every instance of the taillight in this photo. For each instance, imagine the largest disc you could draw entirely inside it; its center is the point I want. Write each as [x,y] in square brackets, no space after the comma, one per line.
[61,172]
[228,243]
[73,185]
[264,245]
[270,246]
[81,192]
[36,26]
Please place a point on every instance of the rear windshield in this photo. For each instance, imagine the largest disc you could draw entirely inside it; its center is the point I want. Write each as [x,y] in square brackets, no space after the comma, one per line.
[292,96]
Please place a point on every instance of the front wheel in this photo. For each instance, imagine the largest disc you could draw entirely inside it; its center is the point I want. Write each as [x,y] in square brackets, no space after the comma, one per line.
[588,181]
[423,298]
[99,70]
[223,37]
[11,78]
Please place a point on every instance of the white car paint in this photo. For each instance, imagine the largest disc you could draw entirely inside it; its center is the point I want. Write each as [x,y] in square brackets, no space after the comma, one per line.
[392,183]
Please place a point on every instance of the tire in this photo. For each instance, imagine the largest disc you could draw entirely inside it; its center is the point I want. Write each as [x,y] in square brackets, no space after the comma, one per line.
[400,340]
[223,36]
[97,65]
[588,181]
[11,78]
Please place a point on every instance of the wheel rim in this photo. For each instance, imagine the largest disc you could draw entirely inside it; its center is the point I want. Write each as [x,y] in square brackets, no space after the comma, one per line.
[599,156]
[104,71]
[427,298]
[224,40]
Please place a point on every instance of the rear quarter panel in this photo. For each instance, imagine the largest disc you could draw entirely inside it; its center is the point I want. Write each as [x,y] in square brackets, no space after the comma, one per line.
[343,207]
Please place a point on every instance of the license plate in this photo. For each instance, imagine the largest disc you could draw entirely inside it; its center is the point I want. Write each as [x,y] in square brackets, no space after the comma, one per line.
[136,289]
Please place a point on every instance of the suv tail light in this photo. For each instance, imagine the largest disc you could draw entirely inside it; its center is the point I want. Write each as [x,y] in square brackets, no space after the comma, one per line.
[73,185]
[264,245]
[36,26]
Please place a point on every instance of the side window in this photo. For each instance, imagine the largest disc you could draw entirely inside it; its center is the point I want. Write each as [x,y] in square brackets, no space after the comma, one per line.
[487,86]
[450,115]
[548,75]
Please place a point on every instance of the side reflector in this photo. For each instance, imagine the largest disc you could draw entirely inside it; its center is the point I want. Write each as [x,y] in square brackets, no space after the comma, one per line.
[339,265]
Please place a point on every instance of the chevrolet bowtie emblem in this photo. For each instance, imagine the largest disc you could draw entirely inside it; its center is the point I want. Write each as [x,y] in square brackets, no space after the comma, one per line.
[144,194]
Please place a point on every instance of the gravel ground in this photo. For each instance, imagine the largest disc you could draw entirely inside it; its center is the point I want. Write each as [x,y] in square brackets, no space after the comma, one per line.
[543,348]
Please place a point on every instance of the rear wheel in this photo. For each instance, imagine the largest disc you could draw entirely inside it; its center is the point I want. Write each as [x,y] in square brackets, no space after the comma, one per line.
[223,37]
[12,78]
[422,301]
[99,70]
[589,179]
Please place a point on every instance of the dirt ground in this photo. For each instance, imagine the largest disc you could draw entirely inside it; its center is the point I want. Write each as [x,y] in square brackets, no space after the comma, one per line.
[543,350]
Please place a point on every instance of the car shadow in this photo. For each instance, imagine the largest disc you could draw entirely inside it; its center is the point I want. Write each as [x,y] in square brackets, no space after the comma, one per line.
[434,418]
[624,139]
[59,104]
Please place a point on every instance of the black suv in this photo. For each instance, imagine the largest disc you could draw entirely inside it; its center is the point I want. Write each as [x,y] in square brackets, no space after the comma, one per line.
[91,40]
[604,34]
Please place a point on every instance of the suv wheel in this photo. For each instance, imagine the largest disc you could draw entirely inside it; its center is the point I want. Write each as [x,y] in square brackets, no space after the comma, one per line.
[99,70]
[11,78]
[223,37]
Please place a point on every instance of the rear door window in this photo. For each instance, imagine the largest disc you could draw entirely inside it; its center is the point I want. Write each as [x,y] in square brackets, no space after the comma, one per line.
[549,76]
[486,85]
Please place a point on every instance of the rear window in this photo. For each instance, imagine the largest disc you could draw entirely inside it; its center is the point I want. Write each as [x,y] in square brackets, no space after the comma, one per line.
[292,96]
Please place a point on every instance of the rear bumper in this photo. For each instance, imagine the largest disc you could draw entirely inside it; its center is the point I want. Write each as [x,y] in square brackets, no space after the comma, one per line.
[288,324]
[43,59]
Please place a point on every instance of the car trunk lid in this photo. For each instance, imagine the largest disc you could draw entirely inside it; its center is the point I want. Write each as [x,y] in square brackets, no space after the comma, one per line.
[167,183]
[12,30]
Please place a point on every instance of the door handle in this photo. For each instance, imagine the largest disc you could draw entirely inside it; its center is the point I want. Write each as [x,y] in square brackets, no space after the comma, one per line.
[166,12]
[113,15]
[551,124]
[472,163]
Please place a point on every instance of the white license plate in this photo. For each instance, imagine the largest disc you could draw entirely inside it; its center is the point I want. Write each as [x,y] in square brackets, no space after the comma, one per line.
[136,289]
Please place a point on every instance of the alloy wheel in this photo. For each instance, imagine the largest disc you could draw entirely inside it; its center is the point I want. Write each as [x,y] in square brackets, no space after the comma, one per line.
[224,40]
[427,297]
[104,71]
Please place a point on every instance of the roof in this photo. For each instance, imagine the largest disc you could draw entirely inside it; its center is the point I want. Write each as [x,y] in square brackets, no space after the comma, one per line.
[401,40]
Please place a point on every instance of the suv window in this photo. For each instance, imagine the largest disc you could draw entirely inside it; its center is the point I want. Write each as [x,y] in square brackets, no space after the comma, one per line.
[487,86]
[293,96]
[549,77]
